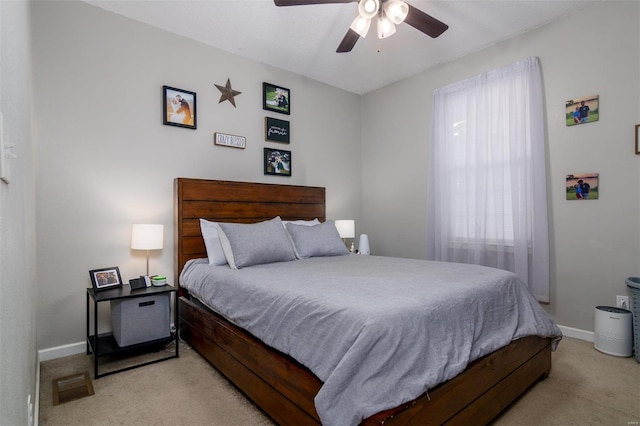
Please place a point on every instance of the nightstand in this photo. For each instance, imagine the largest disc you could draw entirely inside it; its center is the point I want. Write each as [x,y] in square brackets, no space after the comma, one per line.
[105,345]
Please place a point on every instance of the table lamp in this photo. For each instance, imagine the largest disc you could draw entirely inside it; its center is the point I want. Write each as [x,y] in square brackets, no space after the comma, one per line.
[147,237]
[346,229]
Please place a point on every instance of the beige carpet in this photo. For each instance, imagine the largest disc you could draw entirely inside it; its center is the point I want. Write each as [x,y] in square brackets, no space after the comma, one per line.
[585,387]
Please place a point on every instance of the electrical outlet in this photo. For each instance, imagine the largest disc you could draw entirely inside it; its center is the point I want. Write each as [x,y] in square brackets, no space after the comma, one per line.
[622,302]
[4,164]
[5,153]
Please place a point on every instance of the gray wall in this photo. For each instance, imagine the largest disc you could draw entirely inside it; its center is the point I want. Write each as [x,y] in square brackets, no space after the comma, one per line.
[17,220]
[106,161]
[595,245]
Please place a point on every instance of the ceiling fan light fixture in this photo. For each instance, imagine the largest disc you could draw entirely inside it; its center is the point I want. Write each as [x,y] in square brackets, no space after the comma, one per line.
[388,14]
[386,28]
[396,10]
[361,26]
[368,8]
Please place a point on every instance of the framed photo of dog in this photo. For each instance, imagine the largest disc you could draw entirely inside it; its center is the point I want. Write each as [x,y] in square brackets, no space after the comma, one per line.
[179,108]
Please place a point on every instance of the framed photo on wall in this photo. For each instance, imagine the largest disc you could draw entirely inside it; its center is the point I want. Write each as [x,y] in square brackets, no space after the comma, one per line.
[276,98]
[276,130]
[179,108]
[277,162]
[105,278]
[582,110]
[583,186]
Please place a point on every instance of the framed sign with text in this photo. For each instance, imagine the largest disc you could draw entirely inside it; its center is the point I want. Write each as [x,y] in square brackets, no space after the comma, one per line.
[276,130]
[229,140]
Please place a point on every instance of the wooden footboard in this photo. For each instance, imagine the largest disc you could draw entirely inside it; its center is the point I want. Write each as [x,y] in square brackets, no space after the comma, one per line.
[274,381]
[481,392]
[284,389]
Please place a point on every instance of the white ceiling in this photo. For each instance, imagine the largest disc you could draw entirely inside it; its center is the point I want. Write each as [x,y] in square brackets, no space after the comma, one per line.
[303,39]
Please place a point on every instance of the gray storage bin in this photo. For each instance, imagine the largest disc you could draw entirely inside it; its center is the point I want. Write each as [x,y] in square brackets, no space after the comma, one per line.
[634,284]
[141,319]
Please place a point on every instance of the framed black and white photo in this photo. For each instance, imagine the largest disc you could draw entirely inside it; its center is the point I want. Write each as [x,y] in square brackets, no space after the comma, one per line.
[277,162]
[276,98]
[179,107]
[276,130]
[105,278]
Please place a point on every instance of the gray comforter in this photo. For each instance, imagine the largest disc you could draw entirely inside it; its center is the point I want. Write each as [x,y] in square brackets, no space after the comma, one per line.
[378,331]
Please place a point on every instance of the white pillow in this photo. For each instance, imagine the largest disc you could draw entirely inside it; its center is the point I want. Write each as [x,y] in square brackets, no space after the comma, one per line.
[212,242]
[256,243]
[301,222]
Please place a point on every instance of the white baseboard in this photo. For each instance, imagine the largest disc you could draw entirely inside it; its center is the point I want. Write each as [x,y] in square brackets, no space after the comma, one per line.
[577,333]
[66,350]
[62,351]
[80,347]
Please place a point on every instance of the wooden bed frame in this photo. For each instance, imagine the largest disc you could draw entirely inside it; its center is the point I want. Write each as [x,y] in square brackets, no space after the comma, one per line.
[278,384]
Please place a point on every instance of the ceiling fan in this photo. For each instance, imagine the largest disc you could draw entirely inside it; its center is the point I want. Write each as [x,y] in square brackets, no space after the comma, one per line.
[388,14]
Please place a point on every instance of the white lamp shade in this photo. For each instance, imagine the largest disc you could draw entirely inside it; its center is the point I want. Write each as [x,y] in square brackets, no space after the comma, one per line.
[147,236]
[361,26]
[385,27]
[396,11]
[346,228]
[368,8]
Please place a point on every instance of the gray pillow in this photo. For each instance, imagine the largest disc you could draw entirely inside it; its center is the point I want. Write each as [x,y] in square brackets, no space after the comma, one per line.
[316,241]
[299,222]
[255,244]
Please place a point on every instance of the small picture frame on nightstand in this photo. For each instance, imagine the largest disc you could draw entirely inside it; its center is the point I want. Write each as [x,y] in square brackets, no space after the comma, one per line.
[105,278]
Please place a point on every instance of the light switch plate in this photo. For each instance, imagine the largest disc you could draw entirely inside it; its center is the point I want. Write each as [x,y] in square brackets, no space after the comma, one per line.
[4,161]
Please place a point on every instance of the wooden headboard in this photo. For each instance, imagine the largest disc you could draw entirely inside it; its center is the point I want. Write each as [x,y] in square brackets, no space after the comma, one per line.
[226,201]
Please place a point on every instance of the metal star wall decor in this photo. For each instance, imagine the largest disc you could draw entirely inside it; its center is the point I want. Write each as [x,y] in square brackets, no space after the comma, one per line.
[228,93]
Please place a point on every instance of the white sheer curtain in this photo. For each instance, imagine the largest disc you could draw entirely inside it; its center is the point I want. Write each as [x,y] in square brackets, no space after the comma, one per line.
[487,196]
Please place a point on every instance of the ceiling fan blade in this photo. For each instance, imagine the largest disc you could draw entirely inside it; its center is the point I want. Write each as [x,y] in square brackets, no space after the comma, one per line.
[425,23]
[306,2]
[349,40]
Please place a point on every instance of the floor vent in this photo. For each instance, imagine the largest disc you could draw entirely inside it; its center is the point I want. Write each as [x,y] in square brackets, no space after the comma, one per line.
[72,387]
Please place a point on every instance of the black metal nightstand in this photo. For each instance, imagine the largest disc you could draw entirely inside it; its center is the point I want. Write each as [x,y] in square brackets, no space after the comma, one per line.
[103,345]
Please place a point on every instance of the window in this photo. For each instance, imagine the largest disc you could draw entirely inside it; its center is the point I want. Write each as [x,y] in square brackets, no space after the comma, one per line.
[487,201]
